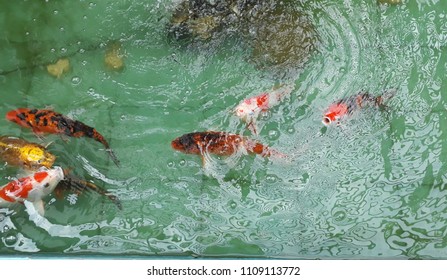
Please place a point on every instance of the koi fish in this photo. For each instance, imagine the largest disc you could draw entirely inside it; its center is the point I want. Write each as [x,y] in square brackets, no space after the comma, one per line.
[79,185]
[48,121]
[347,106]
[30,156]
[249,109]
[19,152]
[219,143]
[32,188]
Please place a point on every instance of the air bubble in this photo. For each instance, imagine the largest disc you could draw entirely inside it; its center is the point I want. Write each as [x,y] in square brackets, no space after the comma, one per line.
[55,12]
[271,178]
[11,240]
[339,216]
[76,80]
[62,29]
[233,204]
[6,228]
[63,50]
[182,163]
[273,134]
[265,115]
[171,164]
[91,90]
[176,238]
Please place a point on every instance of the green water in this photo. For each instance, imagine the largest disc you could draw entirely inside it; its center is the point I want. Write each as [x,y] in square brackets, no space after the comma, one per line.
[373,188]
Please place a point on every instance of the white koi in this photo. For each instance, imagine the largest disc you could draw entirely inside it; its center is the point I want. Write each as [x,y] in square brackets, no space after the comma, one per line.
[249,109]
[32,188]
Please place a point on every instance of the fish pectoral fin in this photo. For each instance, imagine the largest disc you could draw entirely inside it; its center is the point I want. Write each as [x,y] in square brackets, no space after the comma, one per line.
[252,127]
[39,135]
[203,160]
[38,205]
[34,209]
[48,144]
[65,138]
[206,159]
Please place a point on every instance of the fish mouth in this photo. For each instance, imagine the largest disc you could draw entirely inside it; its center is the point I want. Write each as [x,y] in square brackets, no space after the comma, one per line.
[326,121]
[11,115]
[176,145]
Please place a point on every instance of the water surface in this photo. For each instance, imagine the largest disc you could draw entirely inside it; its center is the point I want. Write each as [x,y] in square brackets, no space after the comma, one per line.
[373,188]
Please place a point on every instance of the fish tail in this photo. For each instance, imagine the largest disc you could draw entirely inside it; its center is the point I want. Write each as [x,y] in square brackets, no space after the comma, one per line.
[276,154]
[388,94]
[81,185]
[384,97]
[284,91]
[264,151]
[98,137]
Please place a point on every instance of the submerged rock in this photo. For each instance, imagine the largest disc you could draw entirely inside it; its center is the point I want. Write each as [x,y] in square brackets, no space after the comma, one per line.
[281,36]
[391,2]
[60,67]
[279,32]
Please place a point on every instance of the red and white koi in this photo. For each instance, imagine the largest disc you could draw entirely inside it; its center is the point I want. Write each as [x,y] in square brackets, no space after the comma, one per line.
[32,188]
[249,109]
[347,106]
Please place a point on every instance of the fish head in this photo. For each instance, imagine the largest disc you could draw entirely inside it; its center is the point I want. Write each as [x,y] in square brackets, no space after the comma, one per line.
[247,109]
[334,113]
[328,118]
[47,160]
[242,111]
[35,156]
[186,144]
[45,181]
[20,116]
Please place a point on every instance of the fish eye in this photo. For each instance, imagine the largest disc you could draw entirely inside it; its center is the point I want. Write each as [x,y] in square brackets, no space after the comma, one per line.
[46,185]
[326,121]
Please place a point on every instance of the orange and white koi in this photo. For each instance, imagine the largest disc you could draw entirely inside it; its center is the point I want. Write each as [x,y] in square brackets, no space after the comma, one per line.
[220,143]
[32,188]
[347,106]
[249,109]
[48,121]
